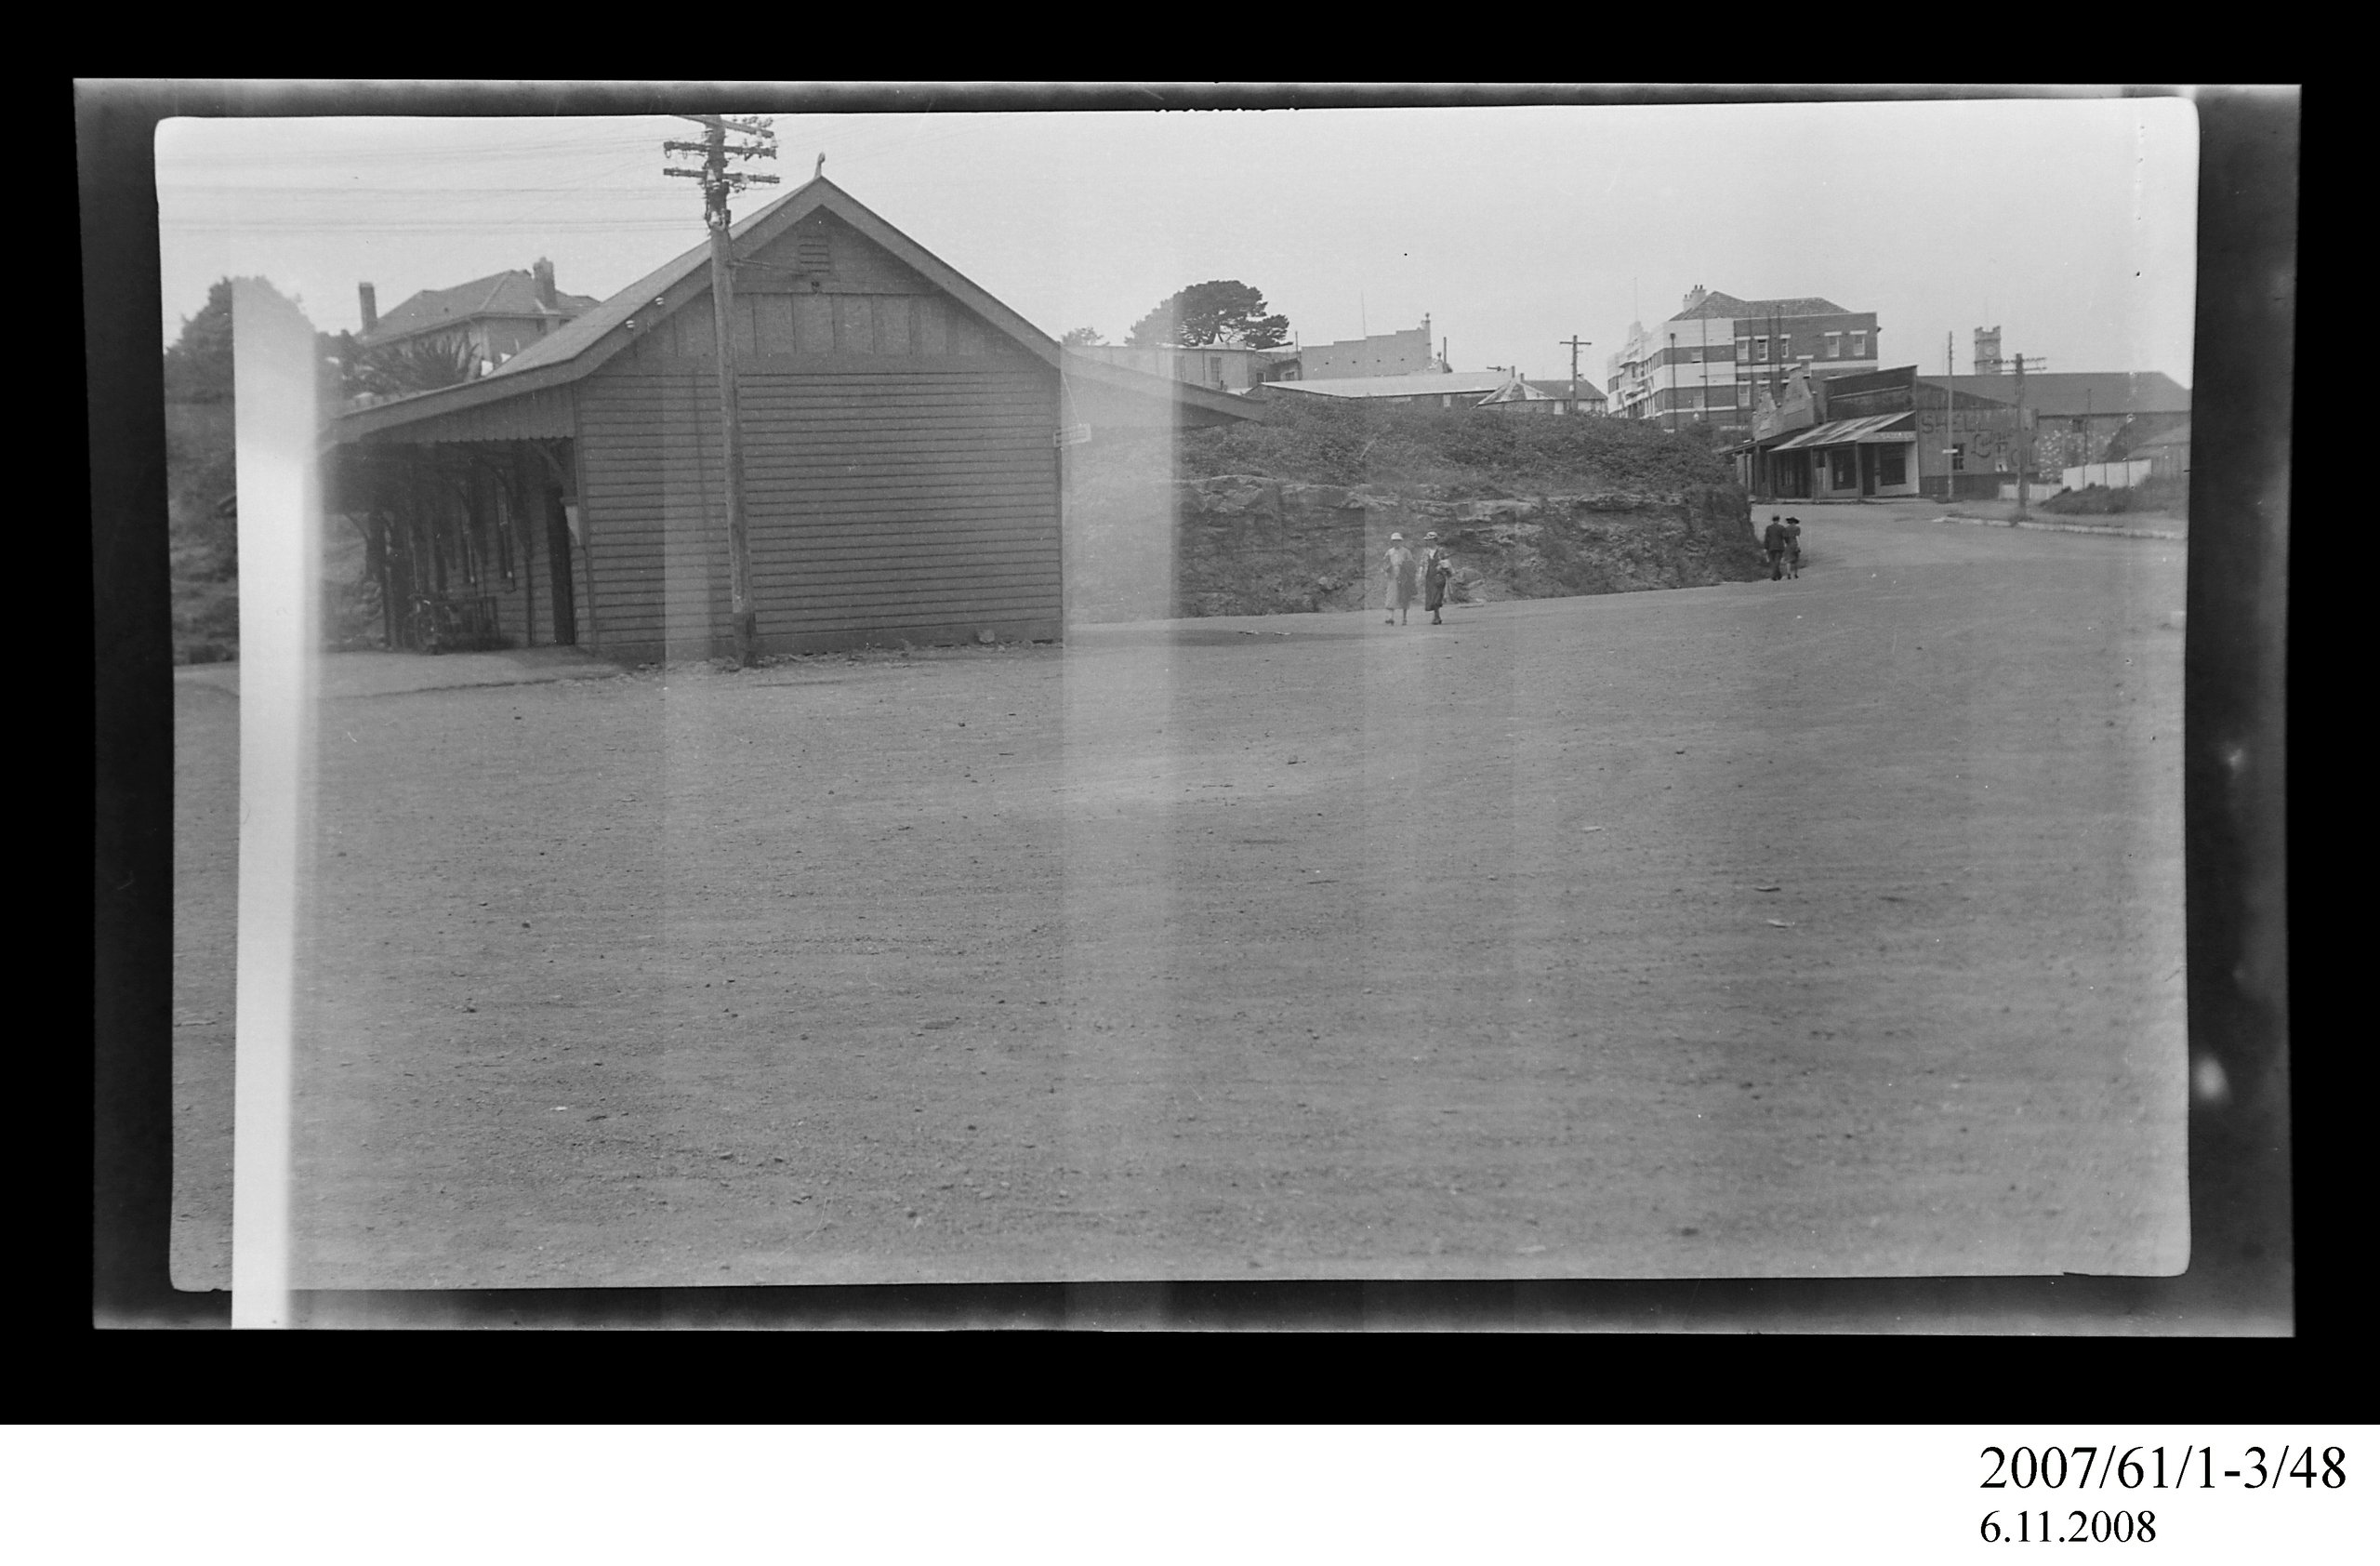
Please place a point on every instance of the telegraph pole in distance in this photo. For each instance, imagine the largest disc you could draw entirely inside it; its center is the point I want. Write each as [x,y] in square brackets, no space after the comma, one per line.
[1574,344]
[2024,445]
[717,185]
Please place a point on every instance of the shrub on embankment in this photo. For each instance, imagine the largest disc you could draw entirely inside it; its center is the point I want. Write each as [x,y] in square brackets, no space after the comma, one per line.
[2168,497]
[1292,515]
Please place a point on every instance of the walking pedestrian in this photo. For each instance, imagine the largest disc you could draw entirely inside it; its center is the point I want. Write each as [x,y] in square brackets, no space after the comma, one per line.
[1792,546]
[1773,540]
[1400,578]
[1436,567]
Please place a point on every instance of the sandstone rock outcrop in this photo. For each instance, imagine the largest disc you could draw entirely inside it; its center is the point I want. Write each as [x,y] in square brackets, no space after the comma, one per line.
[1242,545]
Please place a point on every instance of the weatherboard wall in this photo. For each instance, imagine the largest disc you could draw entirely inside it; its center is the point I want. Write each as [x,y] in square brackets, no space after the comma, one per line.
[900,478]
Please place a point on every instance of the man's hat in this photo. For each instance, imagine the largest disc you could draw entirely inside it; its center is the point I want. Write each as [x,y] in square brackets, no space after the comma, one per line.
[1427,536]
[1396,537]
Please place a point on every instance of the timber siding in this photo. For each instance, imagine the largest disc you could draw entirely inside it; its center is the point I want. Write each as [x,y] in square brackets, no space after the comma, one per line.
[901,481]
[922,503]
[899,477]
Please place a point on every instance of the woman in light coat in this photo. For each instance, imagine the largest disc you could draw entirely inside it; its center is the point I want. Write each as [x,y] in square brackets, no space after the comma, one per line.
[1401,574]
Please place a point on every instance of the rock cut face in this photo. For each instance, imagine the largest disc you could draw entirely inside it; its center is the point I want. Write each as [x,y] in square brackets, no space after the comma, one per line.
[1241,545]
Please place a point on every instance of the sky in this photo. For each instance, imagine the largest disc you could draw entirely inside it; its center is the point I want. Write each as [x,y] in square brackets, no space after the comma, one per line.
[2069,222]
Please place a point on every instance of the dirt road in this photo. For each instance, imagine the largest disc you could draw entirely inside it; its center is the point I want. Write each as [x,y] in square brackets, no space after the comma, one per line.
[1821,927]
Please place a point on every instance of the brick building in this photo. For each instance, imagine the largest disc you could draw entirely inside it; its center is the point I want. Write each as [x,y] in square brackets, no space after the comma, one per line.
[1706,364]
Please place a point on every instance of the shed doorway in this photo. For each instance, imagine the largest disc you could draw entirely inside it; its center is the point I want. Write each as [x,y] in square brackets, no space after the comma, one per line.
[561,570]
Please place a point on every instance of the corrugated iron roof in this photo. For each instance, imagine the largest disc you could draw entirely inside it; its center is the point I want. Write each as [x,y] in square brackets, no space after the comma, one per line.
[1875,430]
[2071,395]
[1458,382]
[581,346]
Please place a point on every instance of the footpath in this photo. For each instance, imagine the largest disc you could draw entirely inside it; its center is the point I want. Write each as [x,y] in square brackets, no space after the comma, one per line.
[2003,513]
[386,673]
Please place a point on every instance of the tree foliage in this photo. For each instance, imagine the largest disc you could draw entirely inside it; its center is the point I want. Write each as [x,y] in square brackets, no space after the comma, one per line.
[398,369]
[198,367]
[1223,311]
[1082,336]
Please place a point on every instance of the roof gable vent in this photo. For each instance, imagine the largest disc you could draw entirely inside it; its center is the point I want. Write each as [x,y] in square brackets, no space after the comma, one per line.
[811,250]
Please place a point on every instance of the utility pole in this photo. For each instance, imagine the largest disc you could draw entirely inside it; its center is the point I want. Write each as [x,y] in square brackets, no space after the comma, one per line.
[1574,344]
[1950,417]
[717,185]
[2024,446]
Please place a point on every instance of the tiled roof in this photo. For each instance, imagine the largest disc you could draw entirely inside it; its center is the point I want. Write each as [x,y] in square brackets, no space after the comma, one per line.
[1718,306]
[1588,390]
[504,294]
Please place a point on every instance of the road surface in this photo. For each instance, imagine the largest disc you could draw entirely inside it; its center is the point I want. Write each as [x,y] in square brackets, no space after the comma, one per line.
[1822,927]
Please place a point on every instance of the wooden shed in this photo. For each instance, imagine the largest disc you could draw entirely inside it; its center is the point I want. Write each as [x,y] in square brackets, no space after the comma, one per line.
[902,432]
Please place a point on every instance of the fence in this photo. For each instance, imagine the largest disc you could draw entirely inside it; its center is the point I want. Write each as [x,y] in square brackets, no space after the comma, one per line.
[2109,475]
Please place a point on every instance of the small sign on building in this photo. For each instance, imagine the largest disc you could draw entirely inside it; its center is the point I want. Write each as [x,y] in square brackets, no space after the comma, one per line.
[1073,434]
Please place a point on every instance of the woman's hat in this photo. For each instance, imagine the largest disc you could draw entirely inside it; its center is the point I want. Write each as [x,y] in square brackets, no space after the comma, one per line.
[1427,536]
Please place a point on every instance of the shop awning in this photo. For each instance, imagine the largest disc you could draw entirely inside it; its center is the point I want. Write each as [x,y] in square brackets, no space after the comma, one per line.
[1877,429]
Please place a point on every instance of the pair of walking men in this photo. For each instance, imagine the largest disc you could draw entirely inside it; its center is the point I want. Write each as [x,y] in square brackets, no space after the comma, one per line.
[1783,542]
[1429,571]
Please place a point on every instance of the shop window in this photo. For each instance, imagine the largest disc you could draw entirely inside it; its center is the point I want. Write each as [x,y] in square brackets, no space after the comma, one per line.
[1844,460]
[1958,457]
[1892,466]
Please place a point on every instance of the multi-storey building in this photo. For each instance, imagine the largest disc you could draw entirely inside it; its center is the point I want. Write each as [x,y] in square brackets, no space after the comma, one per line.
[1705,364]
[1406,353]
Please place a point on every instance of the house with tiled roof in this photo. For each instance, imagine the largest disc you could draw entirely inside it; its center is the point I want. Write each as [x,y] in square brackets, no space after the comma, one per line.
[1573,396]
[495,316]
[1707,363]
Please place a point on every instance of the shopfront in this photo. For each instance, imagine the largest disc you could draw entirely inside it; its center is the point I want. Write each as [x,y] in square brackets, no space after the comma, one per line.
[1848,460]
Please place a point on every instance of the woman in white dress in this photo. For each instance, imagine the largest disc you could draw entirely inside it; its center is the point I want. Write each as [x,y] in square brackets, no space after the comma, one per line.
[1401,577]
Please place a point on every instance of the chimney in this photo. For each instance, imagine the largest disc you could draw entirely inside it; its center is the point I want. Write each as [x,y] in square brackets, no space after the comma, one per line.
[371,306]
[1696,296]
[544,272]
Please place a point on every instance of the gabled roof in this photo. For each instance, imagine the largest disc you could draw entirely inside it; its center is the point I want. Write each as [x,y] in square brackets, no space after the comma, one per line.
[578,350]
[1560,389]
[2062,394]
[509,294]
[1517,391]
